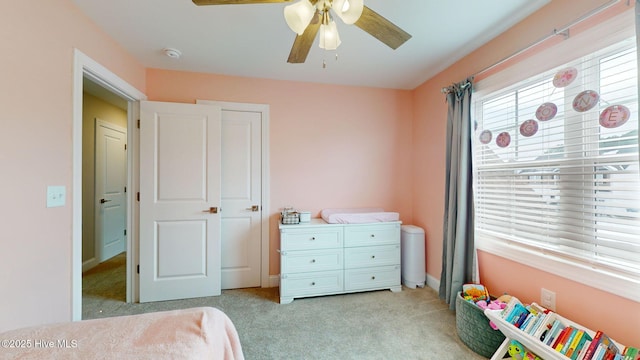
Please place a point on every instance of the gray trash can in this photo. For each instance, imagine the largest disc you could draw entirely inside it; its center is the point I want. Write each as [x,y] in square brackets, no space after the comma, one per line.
[412,250]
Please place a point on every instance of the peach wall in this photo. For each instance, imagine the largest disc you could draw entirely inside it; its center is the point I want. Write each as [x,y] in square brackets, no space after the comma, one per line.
[36,151]
[308,168]
[330,146]
[429,125]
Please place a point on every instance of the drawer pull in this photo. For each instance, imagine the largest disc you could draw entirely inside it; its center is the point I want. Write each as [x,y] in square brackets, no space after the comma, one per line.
[312,238]
[373,235]
[313,283]
[313,261]
[373,256]
[373,278]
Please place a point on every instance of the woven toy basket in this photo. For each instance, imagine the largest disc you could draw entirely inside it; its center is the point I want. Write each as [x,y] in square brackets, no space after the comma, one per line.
[474,330]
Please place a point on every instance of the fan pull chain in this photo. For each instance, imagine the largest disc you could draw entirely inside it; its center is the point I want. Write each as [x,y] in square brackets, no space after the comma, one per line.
[324,62]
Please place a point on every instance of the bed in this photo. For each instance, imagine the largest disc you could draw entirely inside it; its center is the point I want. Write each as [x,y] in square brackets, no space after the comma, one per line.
[358,215]
[197,333]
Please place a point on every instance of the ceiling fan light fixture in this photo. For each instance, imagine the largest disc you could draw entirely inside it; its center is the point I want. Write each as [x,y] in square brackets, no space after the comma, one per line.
[348,10]
[329,38]
[299,15]
[345,6]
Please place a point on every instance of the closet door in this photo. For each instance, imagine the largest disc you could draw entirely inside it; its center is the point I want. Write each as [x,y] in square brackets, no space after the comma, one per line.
[243,218]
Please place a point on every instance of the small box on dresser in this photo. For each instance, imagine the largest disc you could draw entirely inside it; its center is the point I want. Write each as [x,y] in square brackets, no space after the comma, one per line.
[323,259]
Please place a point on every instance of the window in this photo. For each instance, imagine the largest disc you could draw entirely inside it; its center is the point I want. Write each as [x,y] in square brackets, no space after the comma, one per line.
[557,183]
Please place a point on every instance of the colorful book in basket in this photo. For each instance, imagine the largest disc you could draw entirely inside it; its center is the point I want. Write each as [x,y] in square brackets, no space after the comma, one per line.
[509,308]
[583,351]
[599,352]
[534,313]
[578,345]
[526,321]
[593,346]
[545,326]
[568,341]
[552,335]
[540,320]
[631,353]
[561,339]
[598,339]
[572,342]
[518,315]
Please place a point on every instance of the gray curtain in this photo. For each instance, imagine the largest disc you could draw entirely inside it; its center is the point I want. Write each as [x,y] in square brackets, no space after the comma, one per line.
[637,9]
[458,241]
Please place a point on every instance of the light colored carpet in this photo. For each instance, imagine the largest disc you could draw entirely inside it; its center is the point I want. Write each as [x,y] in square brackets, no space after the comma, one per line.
[412,324]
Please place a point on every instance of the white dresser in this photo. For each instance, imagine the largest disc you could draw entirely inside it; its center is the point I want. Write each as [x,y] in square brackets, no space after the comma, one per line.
[318,258]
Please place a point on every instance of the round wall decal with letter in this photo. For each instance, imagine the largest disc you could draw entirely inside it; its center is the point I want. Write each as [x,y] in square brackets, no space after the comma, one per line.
[503,139]
[614,116]
[529,128]
[586,100]
[485,137]
[565,77]
[546,111]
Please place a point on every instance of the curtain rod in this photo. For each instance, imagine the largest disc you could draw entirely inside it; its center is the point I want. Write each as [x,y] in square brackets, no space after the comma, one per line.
[564,31]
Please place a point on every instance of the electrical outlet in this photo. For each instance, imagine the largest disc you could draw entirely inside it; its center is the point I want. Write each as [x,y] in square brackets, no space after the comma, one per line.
[548,299]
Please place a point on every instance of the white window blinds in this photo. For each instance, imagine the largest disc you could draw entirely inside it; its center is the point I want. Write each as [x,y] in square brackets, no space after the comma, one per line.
[557,167]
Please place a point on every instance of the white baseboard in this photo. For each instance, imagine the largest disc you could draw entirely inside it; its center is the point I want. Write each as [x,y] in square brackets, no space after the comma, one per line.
[274,280]
[433,282]
[90,264]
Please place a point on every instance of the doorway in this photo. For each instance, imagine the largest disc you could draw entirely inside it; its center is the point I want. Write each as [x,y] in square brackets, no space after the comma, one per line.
[104,177]
[84,69]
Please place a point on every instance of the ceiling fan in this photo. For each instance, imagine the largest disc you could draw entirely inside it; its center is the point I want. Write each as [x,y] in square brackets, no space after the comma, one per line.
[308,17]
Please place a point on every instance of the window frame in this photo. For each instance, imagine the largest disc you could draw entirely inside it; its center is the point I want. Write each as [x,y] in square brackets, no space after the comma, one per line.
[591,274]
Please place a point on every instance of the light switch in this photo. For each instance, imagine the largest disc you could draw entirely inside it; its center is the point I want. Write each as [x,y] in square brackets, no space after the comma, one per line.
[56,196]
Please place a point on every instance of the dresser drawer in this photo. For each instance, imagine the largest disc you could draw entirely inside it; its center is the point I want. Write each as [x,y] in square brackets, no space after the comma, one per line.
[307,239]
[310,260]
[368,256]
[372,235]
[372,278]
[309,284]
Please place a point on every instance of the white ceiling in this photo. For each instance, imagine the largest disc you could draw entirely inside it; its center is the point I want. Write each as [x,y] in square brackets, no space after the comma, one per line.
[254,40]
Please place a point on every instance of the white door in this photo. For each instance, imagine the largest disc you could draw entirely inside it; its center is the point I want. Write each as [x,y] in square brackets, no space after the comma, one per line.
[179,201]
[241,194]
[110,183]
[241,199]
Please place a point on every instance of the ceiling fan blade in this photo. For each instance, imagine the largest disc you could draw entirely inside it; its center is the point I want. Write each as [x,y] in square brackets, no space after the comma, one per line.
[302,44]
[382,29]
[236,2]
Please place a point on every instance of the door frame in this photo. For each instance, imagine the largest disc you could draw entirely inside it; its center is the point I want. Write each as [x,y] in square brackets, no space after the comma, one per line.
[84,66]
[264,219]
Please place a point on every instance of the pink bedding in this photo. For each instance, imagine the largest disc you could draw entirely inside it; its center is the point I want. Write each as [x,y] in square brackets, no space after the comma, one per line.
[358,215]
[198,333]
